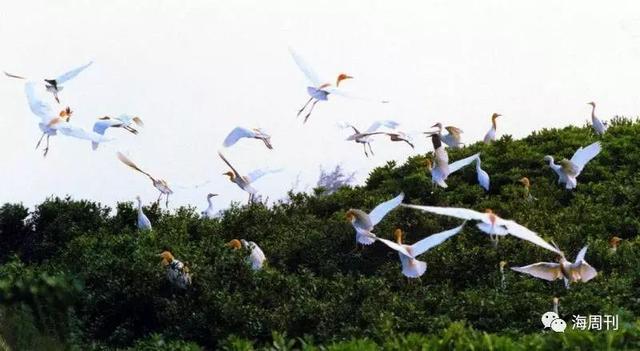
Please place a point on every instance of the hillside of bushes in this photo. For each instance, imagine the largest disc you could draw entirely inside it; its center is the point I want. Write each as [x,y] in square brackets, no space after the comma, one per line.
[75,274]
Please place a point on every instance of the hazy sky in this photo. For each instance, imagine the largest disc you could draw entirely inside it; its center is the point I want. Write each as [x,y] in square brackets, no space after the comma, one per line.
[193,70]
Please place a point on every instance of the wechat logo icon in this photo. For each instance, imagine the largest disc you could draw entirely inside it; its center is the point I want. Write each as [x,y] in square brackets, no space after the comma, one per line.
[553,321]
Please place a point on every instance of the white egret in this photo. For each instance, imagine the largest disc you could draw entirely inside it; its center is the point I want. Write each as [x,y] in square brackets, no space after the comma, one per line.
[491,134]
[54,86]
[177,272]
[598,126]
[570,272]
[483,177]
[441,170]
[364,138]
[159,184]
[569,170]
[453,139]
[489,223]
[256,256]
[244,182]
[209,212]
[125,122]
[364,223]
[412,267]
[143,222]
[240,132]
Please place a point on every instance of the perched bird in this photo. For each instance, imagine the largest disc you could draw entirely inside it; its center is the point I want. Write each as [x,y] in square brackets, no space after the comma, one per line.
[159,184]
[614,242]
[244,182]
[125,122]
[569,170]
[364,138]
[453,139]
[239,132]
[527,188]
[570,272]
[51,122]
[177,272]
[54,86]
[411,267]
[441,170]
[209,212]
[491,134]
[143,222]
[556,303]
[483,177]
[598,126]
[489,223]
[364,223]
[256,257]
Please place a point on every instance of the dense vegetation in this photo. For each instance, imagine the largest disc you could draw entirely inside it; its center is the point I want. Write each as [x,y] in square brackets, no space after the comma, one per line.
[75,274]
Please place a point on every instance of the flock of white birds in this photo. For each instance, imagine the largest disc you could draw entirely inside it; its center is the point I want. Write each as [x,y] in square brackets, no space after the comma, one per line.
[43,96]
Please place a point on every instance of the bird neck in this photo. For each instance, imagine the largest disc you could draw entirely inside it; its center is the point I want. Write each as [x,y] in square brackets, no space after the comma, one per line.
[593,111]
[493,122]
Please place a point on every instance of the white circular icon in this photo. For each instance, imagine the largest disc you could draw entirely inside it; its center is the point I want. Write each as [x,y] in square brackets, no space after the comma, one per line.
[558,325]
[549,317]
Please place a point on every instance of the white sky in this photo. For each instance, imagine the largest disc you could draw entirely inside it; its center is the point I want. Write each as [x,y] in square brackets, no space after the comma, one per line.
[195,69]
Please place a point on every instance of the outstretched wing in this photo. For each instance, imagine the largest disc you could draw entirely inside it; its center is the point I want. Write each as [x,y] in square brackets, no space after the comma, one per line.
[130,163]
[305,68]
[101,125]
[13,75]
[462,163]
[381,210]
[229,164]
[395,246]
[71,74]
[69,129]
[584,155]
[543,270]
[434,240]
[524,233]
[37,105]
[462,213]
[382,123]
[236,134]
[259,173]
[587,272]
[581,254]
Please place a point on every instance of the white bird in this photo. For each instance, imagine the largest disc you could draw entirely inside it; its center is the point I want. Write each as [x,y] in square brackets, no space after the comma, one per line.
[598,126]
[483,177]
[177,272]
[209,212]
[569,170]
[364,223]
[364,138]
[240,132]
[143,222]
[54,86]
[256,256]
[489,223]
[160,184]
[570,272]
[244,182]
[441,170]
[125,122]
[412,267]
[51,122]
[453,139]
[491,134]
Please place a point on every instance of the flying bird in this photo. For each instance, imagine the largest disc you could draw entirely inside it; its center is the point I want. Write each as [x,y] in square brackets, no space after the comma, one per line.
[364,138]
[454,137]
[491,134]
[489,223]
[569,170]
[412,267]
[240,132]
[54,86]
[598,126]
[364,223]
[159,184]
[441,170]
[209,212]
[256,257]
[570,272]
[143,222]
[125,122]
[244,182]
[177,272]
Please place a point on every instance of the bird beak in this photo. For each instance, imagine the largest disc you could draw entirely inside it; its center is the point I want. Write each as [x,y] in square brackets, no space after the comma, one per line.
[429,133]
[435,125]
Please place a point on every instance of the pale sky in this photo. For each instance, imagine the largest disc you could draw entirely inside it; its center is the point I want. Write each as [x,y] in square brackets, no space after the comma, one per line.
[193,70]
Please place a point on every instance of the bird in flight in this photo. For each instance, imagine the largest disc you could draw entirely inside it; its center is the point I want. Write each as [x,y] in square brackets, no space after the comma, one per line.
[240,132]
[244,182]
[54,85]
[364,223]
[160,184]
[569,170]
[125,122]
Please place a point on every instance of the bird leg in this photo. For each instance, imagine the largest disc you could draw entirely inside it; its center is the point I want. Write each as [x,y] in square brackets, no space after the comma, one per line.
[159,197]
[365,150]
[310,110]
[303,107]
[370,149]
[46,149]
[40,140]
[166,203]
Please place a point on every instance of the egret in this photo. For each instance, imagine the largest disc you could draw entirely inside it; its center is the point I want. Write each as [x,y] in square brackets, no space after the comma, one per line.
[570,272]
[143,222]
[125,122]
[453,139]
[491,134]
[364,138]
[54,85]
[614,242]
[526,183]
[483,177]
[556,303]
[442,169]
[489,223]
[412,267]
[598,126]
[399,136]
[569,170]
[240,132]
[159,184]
[177,272]
[256,257]
[244,182]
[364,223]
[209,212]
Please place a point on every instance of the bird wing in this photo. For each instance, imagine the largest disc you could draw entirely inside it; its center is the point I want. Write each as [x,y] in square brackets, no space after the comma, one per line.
[229,164]
[462,213]
[71,74]
[395,246]
[259,173]
[13,75]
[305,68]
[543,270]
[462,163]
[434,240]
[236,134]
[69,129]
[583,155]
[581,254]
[101,125]
[524,233]
[37,105]
[130,163]
[381,210]
[382,123]
[587,272]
